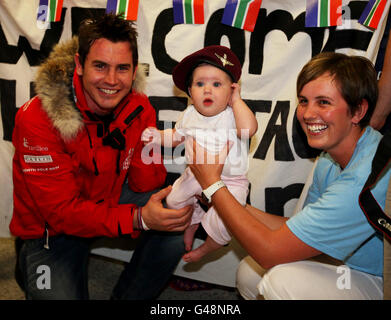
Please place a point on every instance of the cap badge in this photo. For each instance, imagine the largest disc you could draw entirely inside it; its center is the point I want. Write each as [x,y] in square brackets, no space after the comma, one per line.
[224,60]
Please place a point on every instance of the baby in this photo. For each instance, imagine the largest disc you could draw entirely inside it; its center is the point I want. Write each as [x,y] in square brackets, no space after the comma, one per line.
[218,115]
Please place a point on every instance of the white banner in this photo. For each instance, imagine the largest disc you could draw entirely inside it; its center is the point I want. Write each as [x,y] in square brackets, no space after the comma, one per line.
[271,55]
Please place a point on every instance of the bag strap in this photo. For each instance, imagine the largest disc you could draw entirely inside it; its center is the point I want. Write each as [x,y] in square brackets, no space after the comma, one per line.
[387,252]
[372,210]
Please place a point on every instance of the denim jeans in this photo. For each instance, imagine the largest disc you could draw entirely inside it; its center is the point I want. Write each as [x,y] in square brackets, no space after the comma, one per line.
[60,272]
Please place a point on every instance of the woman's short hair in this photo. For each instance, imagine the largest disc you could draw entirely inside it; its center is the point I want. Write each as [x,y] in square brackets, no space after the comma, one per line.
[108,26]
[355,77]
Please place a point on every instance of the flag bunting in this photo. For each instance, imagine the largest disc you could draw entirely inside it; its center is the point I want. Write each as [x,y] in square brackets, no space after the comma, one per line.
[241,14]
[372,13]
[188,11]
[323,13]
[129,8]
[49,10]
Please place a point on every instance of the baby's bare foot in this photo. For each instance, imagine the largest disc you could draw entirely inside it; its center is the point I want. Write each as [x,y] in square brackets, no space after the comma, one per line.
[195,255]
[188,236]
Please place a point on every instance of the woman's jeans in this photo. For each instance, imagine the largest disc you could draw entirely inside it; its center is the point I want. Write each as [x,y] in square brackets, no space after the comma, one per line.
[60,272]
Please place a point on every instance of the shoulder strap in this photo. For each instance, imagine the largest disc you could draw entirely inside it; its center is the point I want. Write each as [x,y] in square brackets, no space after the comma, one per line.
[373,212]
[387,252]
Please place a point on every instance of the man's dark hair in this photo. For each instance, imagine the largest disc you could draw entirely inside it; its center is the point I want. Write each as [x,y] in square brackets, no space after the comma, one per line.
[111,27]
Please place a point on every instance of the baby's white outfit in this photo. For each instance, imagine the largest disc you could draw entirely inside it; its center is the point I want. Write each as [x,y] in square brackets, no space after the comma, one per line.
[212,133]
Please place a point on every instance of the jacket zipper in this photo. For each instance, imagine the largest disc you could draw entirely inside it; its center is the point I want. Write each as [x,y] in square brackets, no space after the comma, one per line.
[93,158]
[46,235]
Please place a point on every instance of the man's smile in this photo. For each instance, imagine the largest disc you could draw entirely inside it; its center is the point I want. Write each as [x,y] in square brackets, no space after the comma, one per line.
[108,91]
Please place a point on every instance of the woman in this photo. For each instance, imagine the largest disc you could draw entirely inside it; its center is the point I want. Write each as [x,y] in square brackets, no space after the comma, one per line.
[336,97]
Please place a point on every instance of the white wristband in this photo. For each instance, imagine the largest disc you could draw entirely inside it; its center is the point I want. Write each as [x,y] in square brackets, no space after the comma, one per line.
[141,223]
[145,227]
[207,193]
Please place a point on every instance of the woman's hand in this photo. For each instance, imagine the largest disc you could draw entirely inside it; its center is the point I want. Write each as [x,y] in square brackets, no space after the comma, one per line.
[206,167]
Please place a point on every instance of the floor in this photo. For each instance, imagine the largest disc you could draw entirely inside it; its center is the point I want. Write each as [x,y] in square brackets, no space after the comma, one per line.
[103,274]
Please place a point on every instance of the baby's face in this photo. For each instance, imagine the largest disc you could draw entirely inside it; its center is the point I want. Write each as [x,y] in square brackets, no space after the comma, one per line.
[211,90]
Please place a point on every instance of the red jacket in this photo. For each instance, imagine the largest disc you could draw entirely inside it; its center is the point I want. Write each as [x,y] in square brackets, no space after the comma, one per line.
[65,177]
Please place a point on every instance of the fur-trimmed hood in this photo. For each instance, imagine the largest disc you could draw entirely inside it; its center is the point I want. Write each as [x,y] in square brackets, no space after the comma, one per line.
[53,85]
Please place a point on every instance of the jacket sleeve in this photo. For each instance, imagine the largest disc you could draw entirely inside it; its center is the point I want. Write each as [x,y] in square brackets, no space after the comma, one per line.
[45,185]
[147,171]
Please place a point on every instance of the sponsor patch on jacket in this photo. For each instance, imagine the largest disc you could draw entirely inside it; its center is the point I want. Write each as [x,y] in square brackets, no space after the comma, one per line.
[127,161]
[37,159]
[33,148]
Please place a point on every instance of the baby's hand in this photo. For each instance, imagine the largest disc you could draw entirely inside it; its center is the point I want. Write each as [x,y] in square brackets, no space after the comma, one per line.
[235,96]
[151,134]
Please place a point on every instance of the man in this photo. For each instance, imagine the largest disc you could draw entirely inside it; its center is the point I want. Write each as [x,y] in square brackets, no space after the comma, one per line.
[76,143]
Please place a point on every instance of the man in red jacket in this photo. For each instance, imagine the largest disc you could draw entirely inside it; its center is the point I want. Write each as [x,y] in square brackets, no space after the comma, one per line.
[76,143]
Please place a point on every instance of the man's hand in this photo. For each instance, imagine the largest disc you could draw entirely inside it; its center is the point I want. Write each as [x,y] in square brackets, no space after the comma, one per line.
[157,217]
